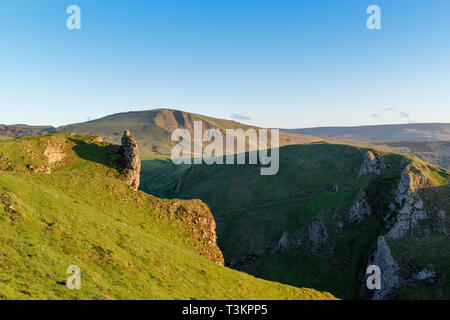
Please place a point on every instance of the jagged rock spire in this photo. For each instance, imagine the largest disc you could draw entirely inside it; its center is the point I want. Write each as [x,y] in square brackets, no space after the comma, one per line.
[132,161]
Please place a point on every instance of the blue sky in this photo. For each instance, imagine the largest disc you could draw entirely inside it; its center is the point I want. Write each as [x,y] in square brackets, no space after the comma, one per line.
[281,63]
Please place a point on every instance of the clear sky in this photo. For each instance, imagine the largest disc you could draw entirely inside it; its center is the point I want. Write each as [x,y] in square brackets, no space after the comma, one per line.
[281,63]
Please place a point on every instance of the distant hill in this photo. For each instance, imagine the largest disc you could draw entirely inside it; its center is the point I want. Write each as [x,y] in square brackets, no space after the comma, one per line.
[20,130]
[153,128]
[402,132]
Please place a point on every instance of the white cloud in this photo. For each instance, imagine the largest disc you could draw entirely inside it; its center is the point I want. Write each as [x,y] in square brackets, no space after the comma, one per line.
[236,116]
[403,114]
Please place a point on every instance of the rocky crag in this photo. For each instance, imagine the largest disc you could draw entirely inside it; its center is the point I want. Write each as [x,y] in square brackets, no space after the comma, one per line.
[397,214]
[132,162]
[197,218]
[410,214]
[194,214]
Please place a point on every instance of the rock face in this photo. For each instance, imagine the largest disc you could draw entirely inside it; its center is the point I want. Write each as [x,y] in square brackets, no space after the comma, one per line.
[360,209]
[54,152]
[442,215]
[313,238]
[426,274]
[408,218]
[411,206]
[282,245]
[132,161]
[371,164]
[414,215]
[197,218]
[389,268]
[411,181]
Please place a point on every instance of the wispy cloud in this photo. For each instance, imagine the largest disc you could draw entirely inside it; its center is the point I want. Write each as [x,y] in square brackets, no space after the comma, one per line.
[403,114]
[236,116]
[388,112]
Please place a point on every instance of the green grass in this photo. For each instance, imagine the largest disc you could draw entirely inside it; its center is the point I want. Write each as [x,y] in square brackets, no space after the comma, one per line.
[159,174]
[129,245]
[416,254]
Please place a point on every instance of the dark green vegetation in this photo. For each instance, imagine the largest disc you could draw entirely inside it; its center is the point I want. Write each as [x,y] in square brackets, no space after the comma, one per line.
[159,175]
[418,253]
[307,203]
[62,203]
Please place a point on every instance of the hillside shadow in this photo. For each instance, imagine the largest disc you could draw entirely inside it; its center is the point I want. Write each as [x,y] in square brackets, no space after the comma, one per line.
[439,194]
[107,155]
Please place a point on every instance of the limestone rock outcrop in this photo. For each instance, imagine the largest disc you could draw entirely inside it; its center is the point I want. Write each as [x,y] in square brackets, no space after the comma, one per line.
[283,244]
[313,238]
[427,274]
[411,205]
[132,162]
[54,154]
[412,215]
[360,209]
[197,218]
[371,164]
[389,268]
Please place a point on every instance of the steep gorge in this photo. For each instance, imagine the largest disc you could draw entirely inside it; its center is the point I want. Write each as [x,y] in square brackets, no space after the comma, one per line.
[331,211]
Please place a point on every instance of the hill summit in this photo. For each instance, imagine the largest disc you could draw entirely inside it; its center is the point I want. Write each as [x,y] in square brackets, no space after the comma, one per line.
[152,129]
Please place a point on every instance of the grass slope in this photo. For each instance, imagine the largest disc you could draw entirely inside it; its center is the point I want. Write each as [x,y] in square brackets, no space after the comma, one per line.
[129,245]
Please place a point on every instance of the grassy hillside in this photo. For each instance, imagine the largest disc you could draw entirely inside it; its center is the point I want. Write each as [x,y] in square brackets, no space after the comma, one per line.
[62,203]
[428,141]
[152,129]
[434,152]
[253,213]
